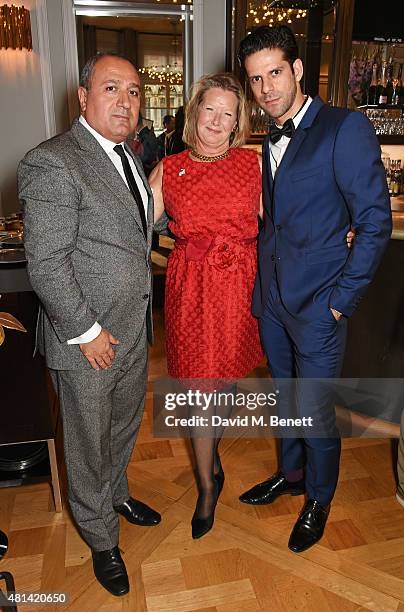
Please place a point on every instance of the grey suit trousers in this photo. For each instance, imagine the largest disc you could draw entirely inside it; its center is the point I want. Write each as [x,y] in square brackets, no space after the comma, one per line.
[101,412]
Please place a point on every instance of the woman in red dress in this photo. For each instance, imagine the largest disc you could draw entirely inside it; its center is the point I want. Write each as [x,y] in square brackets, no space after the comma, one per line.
[211,193]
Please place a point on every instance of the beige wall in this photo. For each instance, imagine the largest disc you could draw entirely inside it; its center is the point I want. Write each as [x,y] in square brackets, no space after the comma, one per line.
[209,45]
[214,35]
[22,122]
[58,65]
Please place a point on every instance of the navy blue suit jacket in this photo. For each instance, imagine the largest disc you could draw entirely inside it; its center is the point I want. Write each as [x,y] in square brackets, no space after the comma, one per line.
[331,177]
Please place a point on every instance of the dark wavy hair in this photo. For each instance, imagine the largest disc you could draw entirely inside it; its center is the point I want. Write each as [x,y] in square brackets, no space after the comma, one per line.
[278,37]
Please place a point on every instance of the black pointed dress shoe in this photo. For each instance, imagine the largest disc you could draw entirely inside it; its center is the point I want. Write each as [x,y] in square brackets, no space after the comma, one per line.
[110,571]
[268,491]
[309,527]
[201,525]
[219,477]
[138,513]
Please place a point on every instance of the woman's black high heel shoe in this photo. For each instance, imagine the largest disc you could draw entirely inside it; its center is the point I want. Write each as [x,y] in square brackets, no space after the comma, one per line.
[201,526]
[219,477]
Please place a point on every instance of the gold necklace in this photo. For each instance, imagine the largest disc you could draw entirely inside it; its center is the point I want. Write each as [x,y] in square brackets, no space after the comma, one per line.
[209,158]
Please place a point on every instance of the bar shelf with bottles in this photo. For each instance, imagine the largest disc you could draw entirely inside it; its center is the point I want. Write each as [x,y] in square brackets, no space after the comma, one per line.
[376,87]
[394,174]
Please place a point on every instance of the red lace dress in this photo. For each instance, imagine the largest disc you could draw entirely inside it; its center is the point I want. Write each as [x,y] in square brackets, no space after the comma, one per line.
[210,276]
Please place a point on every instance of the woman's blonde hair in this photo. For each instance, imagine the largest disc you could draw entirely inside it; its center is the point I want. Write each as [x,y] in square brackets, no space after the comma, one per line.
[227,82]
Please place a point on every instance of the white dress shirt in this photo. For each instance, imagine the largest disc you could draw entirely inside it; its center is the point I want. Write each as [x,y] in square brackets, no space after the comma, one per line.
[277,151]
[108,147]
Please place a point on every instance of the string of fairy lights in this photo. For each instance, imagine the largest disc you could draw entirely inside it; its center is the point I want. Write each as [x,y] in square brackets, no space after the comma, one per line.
[268,14]
[163,74]
[258,13]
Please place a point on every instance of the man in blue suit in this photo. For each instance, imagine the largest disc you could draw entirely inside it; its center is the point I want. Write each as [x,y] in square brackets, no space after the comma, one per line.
[322,174]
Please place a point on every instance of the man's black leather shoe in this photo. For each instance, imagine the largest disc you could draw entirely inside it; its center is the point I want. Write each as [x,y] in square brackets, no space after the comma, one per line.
[309,527]
[266,492]
[110,571]
[138,513]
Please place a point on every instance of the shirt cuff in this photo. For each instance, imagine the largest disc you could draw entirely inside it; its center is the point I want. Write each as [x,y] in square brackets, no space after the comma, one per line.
[88,336]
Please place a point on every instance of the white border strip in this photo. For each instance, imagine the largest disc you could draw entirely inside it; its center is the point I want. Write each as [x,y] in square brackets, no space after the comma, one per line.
[71,58]
[46,72]
[198,40]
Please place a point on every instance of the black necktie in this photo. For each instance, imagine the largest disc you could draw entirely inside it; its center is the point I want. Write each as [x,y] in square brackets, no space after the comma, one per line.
[134,189]
[276,132]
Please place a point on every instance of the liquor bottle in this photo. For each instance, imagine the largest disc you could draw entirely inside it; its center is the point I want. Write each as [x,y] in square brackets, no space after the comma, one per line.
[382,88]
[396,179]
[398,87]
[389,85]
[390,181]
[373,86]
[387,166]
[395,83]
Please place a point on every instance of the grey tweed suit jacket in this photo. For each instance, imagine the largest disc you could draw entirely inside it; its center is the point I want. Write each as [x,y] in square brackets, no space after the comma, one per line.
[88,259]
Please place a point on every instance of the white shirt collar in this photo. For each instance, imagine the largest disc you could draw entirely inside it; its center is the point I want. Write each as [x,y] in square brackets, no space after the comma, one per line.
[302,112]
[106,144]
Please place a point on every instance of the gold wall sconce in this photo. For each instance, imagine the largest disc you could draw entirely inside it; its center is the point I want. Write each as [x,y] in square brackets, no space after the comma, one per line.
[15,27]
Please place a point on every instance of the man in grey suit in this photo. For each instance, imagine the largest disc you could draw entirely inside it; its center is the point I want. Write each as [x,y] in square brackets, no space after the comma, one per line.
[88,221]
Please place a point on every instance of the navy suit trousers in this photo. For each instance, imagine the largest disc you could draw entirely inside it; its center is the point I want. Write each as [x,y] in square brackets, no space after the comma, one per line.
[301,348]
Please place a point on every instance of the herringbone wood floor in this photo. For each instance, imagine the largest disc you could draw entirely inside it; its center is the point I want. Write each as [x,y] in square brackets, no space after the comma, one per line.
[243,564]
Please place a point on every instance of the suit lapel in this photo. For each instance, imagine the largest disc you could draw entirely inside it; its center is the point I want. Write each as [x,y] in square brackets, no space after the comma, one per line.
[290,153]
[94,155]
[267,172]
[298,138]
[139,168]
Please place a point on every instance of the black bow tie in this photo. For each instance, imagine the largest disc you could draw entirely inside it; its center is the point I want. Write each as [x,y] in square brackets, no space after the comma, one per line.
[276,132]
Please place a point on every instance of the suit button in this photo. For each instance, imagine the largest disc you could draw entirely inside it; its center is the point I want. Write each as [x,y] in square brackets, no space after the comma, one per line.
[146,296]
[279,227]
[272,257]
